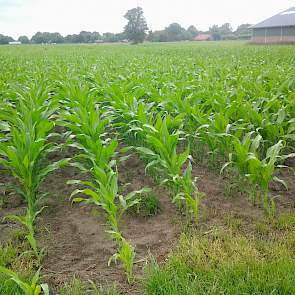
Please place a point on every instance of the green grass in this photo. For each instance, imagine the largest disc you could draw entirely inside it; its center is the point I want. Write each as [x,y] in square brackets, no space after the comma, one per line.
[285,222]
[149,205]
[77,287]
[224,262]
[241,279]
[23,265]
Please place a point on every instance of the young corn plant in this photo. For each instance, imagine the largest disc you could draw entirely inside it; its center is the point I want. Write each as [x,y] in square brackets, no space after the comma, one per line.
[162,153]
[25,151]
[81,113]
[131,116]
[188,193]
[31,288]
[103,192]
[125,254]
[96,155]
[260,172]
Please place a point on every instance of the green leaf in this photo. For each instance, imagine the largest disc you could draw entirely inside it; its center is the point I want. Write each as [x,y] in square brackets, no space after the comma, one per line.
[45,289]
[281,181]
[145,151]
[225,166]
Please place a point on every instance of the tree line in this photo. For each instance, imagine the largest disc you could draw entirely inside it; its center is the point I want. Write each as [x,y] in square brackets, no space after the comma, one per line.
[175,32]
[137,31]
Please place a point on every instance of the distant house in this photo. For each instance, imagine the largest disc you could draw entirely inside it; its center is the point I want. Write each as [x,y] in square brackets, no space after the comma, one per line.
[277,29]
[203,37]
[15,43]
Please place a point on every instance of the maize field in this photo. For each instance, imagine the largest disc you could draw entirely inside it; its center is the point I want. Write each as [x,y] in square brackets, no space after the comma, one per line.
[96,133]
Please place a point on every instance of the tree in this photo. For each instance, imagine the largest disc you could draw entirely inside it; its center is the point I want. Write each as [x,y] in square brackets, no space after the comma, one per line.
[136,27]
[243,31]
[5,39]
[55,38]
[174,29]
[85,37]
[223,32]
[226,29]
[176,32]
[39,38]
[158,36]
[109,37]
[192,30]
[94,37]
[24,40]
[47,37]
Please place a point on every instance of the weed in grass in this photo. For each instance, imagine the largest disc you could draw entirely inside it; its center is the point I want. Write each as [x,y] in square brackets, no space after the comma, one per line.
[149,205]
[233,222]
[285,221]
[74,287]
[77,287]
[14,281]
[262,228]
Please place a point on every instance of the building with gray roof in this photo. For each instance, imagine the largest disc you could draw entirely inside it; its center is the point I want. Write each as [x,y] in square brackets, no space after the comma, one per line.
[277,29]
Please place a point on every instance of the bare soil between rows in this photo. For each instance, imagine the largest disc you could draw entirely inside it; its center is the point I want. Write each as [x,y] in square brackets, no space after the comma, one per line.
[75,235]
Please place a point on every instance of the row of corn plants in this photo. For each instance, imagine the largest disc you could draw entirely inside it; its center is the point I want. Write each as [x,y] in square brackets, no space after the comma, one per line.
[157,137]
[251,153]
[96,156]
[220,122]
[26,141]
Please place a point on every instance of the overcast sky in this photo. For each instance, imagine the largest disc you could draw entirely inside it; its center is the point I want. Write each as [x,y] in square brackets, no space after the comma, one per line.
[26,17]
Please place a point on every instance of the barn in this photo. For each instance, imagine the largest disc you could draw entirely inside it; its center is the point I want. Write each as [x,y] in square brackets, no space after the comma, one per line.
[203,37]
[277,29]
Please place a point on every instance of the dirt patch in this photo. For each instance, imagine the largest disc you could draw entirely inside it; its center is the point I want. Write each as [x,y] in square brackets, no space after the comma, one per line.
[285,197]
[75,237]
[216,206]
[78,244]
[10,204]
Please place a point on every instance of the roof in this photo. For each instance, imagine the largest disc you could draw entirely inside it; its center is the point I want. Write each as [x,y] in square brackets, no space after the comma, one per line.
[14,43]
[203,37]
[282,19]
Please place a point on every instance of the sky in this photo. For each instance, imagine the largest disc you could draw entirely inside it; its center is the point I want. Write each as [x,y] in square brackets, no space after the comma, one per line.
[26,17]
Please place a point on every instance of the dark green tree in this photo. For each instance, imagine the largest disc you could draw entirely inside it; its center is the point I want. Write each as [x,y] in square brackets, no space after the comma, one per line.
[192,30]
[215,31]
[226,29]
[24,40]
[56,38]
[39,38]
[95,36]
[174,32]
[47,38]
[136,28]
[5,39]
[243,31]
[109,37]
[158,36]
